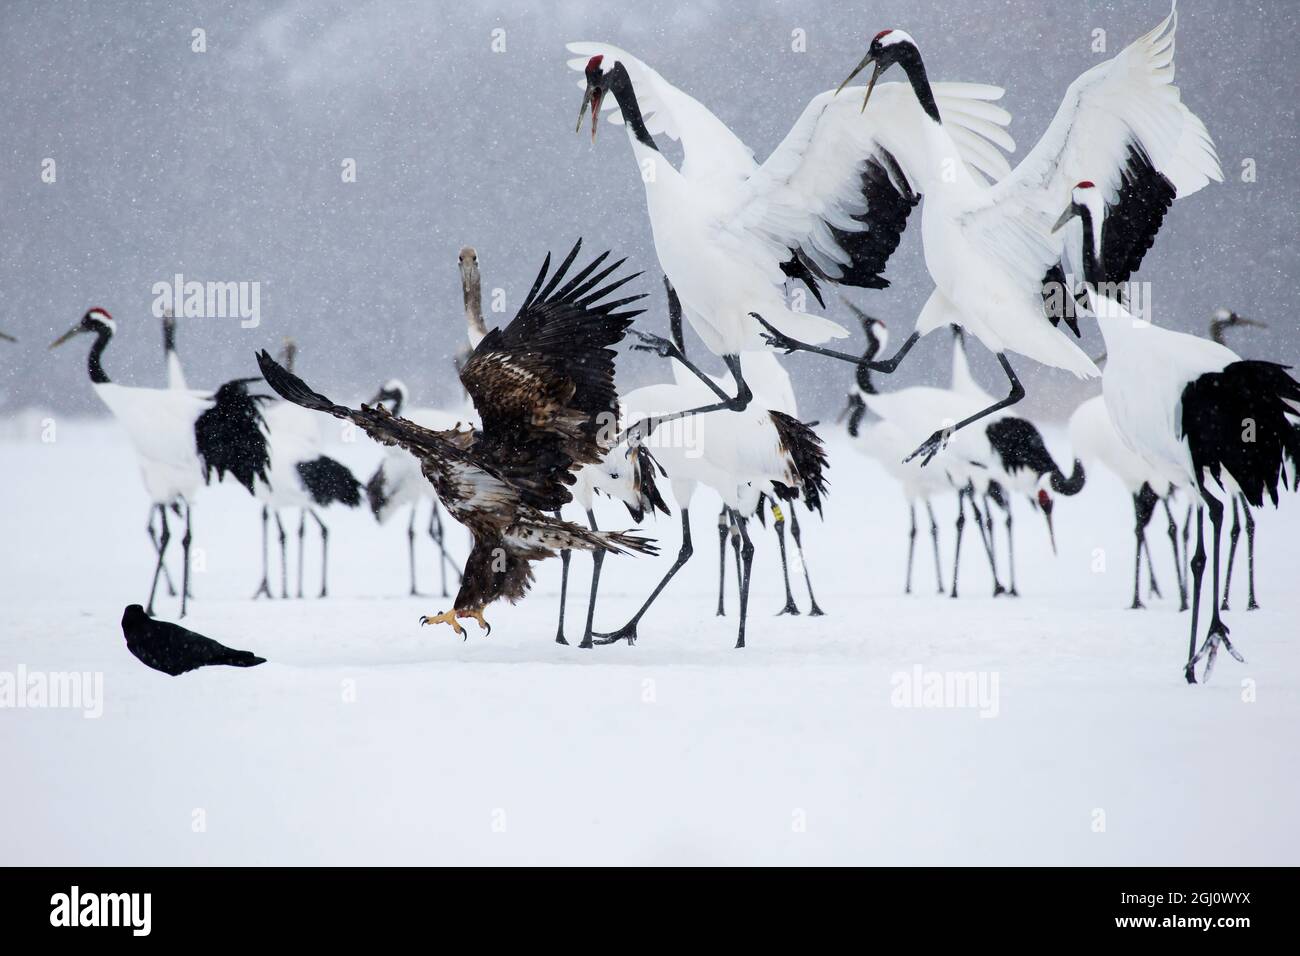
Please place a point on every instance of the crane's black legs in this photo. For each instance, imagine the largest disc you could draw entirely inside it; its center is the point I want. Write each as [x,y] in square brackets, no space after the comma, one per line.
[324,555]
[1144,503]
[598,561]
[1187,527]
[1198,569]
[565,555]
[986,536]
[911,548]
[1233,535]
[435,532]
[737,403]
[302,534]
[995,495]
[1137,604]
[814,610]
[439,536]
[153,538]
[961,524]
[1251,603]
[1153,586]
[1218,631]
[284,559]
[1011,550]
[779,340]
[264,589]
[747,554]
[410,549]
[628,631]
[185,556]
[164,538]
[723,526]
[936,442]
[735,546]
[1178,561]
[934,538]
[778,524]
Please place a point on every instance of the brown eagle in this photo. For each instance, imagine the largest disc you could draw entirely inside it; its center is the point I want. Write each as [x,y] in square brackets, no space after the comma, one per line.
[543,387]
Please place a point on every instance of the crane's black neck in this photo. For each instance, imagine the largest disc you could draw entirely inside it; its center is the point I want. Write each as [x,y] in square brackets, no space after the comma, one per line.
[93,364]
[169,336]
[675,317]
[863,370]
[1091,267]
[859,411]
[1071,485]
[864,374]
[395,407]
[620,84]
[909,58]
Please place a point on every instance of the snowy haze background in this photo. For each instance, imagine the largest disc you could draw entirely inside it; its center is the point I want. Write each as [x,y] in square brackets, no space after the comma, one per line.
[226,166]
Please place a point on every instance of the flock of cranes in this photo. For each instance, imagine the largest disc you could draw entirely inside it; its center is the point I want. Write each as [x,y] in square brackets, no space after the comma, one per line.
[1019,258]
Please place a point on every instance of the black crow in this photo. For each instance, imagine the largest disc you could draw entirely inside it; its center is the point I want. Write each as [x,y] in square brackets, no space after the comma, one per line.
[172,649]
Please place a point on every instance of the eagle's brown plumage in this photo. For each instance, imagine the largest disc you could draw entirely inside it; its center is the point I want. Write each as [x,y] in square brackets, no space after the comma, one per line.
[543,387]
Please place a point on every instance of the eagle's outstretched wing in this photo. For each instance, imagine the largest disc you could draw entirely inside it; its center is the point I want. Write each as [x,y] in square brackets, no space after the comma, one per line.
[469,486]
[543,386]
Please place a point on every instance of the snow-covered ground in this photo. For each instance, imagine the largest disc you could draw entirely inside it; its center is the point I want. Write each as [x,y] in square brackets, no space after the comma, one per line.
[368,739]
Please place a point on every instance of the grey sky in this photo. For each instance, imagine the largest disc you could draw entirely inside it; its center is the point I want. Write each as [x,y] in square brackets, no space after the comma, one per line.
[225,165]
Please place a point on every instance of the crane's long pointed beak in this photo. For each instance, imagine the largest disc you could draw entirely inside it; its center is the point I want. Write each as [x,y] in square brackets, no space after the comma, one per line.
[1065,217]
[856,70]
[875,75]
[591,99]
[1241,320]
[6,337]
[65,336]
[1051,532]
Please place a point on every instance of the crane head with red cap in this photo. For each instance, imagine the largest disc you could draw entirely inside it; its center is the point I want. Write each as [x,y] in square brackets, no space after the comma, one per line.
[597,83]
[887,48]
[1086,198]
[96,321]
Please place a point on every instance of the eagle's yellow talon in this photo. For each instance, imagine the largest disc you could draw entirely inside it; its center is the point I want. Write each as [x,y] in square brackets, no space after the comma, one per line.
[476,614]
[446,617]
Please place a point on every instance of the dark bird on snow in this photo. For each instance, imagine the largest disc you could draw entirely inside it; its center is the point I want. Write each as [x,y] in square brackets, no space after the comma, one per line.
[174,650]
[543,387]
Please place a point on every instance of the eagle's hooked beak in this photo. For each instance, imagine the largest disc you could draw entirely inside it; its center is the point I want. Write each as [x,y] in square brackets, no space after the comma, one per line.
[871,85]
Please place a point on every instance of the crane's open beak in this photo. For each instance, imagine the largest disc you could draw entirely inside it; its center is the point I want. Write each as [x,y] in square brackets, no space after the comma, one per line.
[65,336]
[1045,502]
[1070,213]
[875,75]
[591,99]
